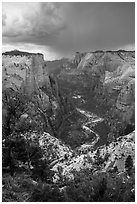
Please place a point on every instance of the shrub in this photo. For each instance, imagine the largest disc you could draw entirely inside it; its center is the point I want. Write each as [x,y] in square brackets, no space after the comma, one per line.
[129,164]
[101,187]
[46,193]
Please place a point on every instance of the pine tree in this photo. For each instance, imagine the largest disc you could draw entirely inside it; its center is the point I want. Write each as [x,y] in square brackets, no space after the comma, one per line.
[129,164]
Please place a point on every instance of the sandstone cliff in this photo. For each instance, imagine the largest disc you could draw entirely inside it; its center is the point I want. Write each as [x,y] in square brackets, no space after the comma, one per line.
[22,71]
[25,78]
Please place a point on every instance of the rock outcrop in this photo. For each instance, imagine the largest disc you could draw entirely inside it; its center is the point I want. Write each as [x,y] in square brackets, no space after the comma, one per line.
[105,158]
[23,72]
[64,161]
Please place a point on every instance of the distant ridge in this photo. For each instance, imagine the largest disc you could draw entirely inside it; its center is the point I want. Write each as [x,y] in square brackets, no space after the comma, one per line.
[20,53]
[112,51]
[106,51]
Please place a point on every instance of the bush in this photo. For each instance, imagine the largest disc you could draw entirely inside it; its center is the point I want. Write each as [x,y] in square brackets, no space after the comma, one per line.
[13,106]
[26,153]
[17,188]
[101,187]
[86,188]
[46,193]
[129,164]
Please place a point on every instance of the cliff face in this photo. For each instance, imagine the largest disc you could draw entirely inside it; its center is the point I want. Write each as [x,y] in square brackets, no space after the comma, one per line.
[23,72]
[25,78]
[111,67]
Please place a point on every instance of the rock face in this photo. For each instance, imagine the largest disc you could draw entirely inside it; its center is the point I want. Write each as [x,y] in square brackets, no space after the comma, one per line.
[77,58]
[53,149]
[64,161]
[111,69]
[25,78]
[22,71]
[105,158]
[25,73]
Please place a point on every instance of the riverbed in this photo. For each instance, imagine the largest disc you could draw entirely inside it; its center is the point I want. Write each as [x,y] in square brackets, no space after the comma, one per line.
[93,124]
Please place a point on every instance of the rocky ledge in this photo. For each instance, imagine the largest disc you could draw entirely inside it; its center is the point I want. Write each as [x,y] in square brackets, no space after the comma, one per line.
[64,161]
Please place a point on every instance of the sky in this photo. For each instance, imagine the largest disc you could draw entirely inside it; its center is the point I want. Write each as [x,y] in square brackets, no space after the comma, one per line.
[59,29]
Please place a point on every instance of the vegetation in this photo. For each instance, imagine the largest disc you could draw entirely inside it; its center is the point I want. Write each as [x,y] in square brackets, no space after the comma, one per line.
[19,53]
[129,165]
[86,187]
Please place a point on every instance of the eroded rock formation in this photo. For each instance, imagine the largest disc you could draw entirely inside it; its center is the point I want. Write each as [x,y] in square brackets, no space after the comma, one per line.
[24,72]
[64,161]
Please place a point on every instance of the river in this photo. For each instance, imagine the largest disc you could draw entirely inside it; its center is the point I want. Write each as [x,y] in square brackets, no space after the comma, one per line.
[91,121]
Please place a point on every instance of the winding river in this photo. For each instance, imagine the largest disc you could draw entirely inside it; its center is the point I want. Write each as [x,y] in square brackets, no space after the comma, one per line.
[91,119]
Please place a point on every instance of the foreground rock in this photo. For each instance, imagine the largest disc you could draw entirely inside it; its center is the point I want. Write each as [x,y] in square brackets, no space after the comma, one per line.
[64,161]
[105,158]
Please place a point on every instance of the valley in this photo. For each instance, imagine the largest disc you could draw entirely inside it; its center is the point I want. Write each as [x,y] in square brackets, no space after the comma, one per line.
[68,102]
[74,119]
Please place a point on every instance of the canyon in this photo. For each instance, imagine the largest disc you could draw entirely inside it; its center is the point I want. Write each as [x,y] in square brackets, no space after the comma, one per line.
[79,111]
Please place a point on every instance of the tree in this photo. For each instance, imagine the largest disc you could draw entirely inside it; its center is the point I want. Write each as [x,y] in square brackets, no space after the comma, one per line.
[129,164]
[14,104]
[44,192]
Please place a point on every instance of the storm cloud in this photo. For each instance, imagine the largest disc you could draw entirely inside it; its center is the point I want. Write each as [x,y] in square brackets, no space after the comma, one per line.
[64,28]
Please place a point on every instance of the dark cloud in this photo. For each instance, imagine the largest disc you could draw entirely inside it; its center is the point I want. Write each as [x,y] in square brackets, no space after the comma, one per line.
[99,26]
[70,27]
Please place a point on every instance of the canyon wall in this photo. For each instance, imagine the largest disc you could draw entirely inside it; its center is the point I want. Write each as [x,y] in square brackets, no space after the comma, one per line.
[25,78]
[107,78]
[23,72]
